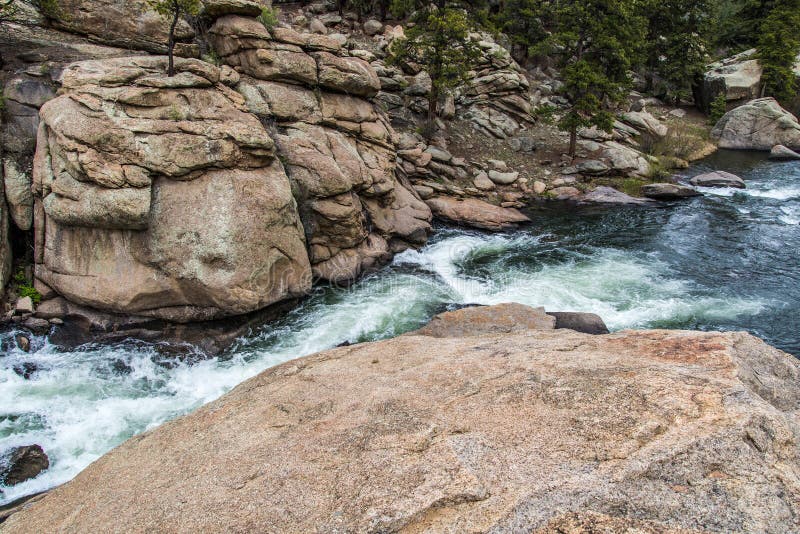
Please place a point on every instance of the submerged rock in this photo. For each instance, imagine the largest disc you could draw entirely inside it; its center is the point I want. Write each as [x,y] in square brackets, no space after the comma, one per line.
[782,153]
[669,191]
[653,430]
[718,179]
[476,213]
[609,195]
[24,463]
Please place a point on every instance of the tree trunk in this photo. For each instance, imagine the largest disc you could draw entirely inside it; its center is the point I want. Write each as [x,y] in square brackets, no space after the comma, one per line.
[433,101]
[573,141]
[171,45]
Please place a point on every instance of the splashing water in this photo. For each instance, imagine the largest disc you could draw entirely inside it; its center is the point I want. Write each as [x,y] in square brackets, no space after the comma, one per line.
[725,261]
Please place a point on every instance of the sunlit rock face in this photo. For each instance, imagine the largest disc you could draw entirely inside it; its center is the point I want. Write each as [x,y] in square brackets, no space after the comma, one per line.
[162,196]
[337,145]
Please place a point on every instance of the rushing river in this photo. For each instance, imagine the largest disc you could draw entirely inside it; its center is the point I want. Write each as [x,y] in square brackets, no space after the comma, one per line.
[725,261]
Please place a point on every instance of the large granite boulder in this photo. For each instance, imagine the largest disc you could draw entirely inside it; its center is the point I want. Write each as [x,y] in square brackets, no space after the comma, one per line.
[758,125]
[162,197]
[530,431]
[124,23]
[737,77]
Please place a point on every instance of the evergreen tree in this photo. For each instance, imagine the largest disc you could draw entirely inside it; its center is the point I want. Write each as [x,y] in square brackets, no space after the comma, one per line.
[440,43]
[524,21]
[778,48]
[676,44]
[596,42]
[172,11]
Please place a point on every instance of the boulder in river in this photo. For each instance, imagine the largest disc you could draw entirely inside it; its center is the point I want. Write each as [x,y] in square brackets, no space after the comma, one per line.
[667,191]
[647,431]
[24,463]
[782,153]
[609,195]
[718,179]
[586,323]
[479,320]
[476,213]
[758,125]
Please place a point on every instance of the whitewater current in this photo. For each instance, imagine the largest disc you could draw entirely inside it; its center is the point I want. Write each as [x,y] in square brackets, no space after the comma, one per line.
[726,261]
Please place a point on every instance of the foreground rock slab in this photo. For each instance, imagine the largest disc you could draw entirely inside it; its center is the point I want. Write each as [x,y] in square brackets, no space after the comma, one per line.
[532,431]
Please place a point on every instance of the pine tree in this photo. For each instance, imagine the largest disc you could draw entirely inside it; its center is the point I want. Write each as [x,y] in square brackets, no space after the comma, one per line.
[440,43]
[596,42]
[172,11]
[524,21]
[778,48]
[676,44]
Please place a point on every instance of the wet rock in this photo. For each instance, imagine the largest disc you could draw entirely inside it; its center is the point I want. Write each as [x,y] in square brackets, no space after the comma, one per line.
[758,125]
[718,179]
[782,153]
[480,320]
[37,325]
[609,195]
[539,187]
[533,431]
[24,344]
[26,369]
[24,463]
[667,191]
[586,323]
[476,213]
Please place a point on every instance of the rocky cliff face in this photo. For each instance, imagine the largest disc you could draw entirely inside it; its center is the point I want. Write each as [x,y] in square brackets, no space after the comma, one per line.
[216,192]
[338,146]
[529,430]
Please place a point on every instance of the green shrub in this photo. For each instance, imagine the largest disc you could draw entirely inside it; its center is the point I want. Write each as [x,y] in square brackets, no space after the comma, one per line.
[212,57]
[269,17]
[49,9]
[719,107]
[25,287]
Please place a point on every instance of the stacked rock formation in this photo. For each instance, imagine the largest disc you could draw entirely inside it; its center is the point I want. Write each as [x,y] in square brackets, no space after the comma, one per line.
[338,147]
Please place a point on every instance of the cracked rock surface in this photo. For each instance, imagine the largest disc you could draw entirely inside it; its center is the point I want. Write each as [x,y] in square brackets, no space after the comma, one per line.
[531,430]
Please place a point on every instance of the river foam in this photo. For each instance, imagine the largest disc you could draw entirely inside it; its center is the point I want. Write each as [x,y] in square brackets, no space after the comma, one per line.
[718,262]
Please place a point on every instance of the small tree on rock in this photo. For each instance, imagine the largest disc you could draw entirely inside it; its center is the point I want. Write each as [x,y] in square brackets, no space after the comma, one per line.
[596,43]
[778,48]
[172,10]
[440,43]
